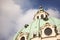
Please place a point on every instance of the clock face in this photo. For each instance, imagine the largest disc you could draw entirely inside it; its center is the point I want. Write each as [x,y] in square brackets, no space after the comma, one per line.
[48,31]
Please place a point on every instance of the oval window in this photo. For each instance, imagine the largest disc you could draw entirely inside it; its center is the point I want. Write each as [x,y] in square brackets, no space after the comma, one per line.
[23,38]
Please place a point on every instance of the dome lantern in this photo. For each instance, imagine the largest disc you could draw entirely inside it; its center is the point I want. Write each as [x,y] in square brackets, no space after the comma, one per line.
[41,14]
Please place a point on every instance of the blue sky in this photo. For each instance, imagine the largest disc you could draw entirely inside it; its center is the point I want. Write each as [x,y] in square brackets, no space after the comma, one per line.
[45,3]
[14,14]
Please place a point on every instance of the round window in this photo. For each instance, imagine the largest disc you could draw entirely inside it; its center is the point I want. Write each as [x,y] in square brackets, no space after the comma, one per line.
[48,31]
[23,38]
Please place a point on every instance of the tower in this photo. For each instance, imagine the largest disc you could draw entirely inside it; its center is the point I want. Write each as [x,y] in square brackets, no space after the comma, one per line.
[43,27]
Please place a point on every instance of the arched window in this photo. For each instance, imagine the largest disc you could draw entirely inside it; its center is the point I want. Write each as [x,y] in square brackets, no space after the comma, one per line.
[46,16]
[42,16]
[37,17]
[22,38]
[34,35]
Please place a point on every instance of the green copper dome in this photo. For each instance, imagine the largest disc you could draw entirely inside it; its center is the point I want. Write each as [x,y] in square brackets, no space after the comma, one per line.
[35,27]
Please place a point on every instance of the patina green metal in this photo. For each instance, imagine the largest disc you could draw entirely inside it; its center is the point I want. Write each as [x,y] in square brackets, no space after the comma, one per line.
[34,27]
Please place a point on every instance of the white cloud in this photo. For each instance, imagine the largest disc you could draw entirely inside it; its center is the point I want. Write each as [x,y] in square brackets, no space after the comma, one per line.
[27,17]
[9,8]
[53,12]
[13,17]
[9,14]
[25,4]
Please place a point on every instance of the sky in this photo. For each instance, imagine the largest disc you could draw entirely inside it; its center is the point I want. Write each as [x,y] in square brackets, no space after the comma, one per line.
[14,14]
[37,3]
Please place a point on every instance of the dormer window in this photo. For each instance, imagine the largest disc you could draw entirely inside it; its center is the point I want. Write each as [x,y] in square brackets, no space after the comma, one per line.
[26,25]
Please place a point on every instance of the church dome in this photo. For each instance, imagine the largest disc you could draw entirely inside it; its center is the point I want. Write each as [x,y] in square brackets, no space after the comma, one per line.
[35,29]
